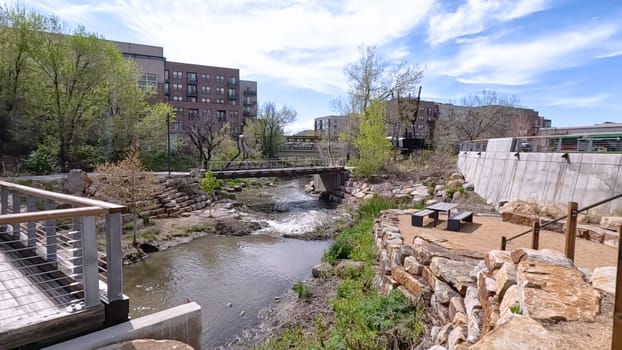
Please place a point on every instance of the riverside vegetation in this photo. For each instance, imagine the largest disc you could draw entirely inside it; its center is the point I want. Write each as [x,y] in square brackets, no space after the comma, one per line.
[363,317]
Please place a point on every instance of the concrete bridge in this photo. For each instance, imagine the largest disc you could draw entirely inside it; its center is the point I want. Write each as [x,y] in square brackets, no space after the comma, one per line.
[329,173]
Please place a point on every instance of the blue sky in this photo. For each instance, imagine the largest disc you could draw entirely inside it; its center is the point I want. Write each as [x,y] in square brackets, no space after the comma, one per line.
[562,58]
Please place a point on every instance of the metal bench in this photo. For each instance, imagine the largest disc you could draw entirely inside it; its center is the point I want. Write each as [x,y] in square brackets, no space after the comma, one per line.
[417,218]
[453,224]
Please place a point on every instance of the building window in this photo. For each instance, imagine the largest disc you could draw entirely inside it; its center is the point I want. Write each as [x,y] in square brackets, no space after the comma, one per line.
[206,113]
[233,102]
[148,81]
[192,99]
[178,75]
[220,90]
[178,98]
[232,93]
[205,100]
[192,77]
[220,78]
[205,89]
[193,114]
[178,110]
[205,77]
[178,87]
[192,89]
[166,74]
[220,101]
[222,116]
[232,80]
[166,91]
[233,115]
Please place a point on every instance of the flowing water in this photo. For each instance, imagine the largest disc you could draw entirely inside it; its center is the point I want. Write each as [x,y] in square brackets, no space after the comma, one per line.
[248,272]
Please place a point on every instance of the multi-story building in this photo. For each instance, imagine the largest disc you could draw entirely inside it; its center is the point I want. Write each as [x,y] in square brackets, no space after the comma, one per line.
[511,121]
[249,99]
[151,61]
[199,92]
[330,126]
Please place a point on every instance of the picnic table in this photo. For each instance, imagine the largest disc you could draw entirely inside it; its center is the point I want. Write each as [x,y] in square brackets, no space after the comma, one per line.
[442,207]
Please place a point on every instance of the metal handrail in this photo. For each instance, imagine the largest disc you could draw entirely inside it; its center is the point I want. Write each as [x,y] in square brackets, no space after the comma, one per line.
[505,240]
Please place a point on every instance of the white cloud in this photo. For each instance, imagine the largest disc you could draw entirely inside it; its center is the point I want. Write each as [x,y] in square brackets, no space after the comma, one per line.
[580,102]
[305,43]
[476,16]
[517,63]
[610,54]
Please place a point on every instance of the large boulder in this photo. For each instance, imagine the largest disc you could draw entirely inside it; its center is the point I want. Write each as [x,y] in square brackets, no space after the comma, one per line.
[611,222]
[456,273]
[524,333]
[414,285]
[604,278]
[543,256]
[554,293]
[77,182]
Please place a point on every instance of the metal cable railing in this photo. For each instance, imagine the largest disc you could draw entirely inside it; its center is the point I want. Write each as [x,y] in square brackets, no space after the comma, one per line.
[280,163]
[538,226]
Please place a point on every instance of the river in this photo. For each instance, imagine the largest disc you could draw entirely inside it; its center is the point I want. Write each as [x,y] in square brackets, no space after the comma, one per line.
[232,278]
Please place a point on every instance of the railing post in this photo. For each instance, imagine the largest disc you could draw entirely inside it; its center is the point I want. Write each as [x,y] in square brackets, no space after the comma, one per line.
[50,234]
[504,242]
[616,342]
[76,248]
[32,238]
[4,205]
[535,239]
[89,258]
[571,230]
[15,197]
[114,259]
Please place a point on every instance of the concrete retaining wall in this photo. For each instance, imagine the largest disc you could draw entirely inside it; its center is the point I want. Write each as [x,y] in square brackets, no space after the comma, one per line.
[499,175]
[182,323]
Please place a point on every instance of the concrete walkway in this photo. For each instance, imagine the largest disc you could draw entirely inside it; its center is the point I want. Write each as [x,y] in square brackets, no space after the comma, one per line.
[484,234]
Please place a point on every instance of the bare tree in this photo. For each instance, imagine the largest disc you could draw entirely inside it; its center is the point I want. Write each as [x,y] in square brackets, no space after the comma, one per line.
[206,134]
[482,115]
[127,182]
[372,76]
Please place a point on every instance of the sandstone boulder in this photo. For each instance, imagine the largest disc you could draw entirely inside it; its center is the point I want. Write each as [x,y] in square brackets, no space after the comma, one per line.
[495,258]
[543,256]
[611,222]
[553,292]
[77,182]
[604,278]
[505,278]
[524,333]
[456,273]
[412,266]
[414,285]
[443,292]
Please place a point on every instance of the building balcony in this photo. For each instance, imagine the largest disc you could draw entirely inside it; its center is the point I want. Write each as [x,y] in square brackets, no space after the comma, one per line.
[192,92]
[192,80]
[233,97]
[250,93]
[250,103]
[232,83]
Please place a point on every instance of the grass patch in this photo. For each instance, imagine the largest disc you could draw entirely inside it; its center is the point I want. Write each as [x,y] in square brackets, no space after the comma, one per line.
[198,228]
[302,290]
[364,318]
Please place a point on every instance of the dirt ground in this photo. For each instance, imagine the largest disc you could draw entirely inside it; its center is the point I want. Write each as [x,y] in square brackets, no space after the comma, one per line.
[484,234]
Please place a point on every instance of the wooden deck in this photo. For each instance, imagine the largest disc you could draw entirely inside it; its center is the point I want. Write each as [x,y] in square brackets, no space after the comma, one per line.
[37,304]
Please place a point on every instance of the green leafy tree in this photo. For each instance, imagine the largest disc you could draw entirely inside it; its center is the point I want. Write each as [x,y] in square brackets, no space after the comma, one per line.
[270,128]
[209,184]
[374,147]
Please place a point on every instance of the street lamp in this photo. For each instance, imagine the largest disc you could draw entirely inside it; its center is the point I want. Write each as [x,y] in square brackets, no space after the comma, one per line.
[168,143]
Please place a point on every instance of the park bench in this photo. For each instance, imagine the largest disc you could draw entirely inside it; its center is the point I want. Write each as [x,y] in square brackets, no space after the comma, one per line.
[453,224]
[417,218]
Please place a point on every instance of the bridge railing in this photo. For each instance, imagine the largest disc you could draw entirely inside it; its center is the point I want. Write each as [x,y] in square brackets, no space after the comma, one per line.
[50,240]
[598,142]
[277,163]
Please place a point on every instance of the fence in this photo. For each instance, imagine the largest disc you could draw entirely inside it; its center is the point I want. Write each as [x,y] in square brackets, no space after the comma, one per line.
[49,251]
[555,143]
[279,163]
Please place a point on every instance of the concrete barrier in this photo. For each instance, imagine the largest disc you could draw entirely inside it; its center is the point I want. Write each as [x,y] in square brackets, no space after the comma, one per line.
[182,323]
[501,175]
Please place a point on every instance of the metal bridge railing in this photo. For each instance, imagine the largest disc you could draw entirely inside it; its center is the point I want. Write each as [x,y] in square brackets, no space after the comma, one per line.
[555,144]
[277,163]
[49,257]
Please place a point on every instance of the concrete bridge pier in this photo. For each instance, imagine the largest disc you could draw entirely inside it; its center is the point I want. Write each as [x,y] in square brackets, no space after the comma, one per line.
[330,185]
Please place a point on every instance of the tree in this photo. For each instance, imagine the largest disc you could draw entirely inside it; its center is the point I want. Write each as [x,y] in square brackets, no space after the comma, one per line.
[209,184]
[270,127]
[374,148]
[206,134]
[482,115]
[129,183]
[372,76]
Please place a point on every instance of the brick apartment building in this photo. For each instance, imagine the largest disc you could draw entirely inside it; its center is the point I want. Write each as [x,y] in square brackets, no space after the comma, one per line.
[195,91]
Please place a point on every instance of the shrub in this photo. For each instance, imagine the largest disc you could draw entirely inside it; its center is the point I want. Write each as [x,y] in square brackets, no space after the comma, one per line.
[40,162]
[302,290]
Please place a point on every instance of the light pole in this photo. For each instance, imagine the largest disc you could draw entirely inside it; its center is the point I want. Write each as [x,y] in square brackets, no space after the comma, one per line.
[168,143]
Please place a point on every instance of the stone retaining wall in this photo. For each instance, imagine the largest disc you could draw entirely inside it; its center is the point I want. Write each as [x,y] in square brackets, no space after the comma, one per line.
[498,300]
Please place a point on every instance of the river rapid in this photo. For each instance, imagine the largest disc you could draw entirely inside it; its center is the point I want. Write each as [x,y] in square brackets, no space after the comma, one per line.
[232,278]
